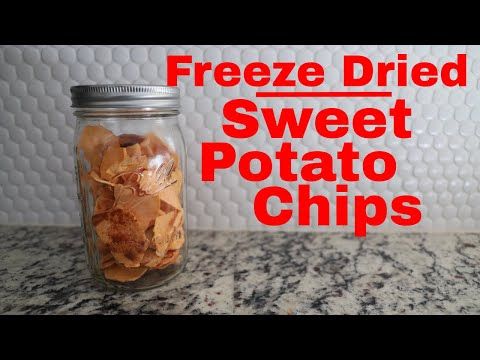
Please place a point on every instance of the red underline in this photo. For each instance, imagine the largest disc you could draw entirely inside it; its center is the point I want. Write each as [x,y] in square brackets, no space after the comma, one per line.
[324,94]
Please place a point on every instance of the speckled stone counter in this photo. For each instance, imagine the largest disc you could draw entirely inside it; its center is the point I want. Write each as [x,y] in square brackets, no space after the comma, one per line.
[43,271]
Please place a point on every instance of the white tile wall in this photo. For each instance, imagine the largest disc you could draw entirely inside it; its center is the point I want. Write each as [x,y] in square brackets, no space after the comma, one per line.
[440,164]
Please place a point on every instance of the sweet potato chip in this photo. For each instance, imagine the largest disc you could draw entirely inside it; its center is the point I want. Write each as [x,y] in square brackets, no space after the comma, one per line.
[178,221]
[161,233]
[152,145]
[156,178]
[95,177]
[149,236]
[151,259]
[130,165]
[177,180]
[104,198]
[128,140]
[112,157]
[177,240]
[134,150]
[103,203]
[170,258]
[124,196]
[105,191]
[144,208]
[122,274]
[132,178]
[129,180]
[117,162]
[170,198]
[107,260]
[92,141]
[120,231]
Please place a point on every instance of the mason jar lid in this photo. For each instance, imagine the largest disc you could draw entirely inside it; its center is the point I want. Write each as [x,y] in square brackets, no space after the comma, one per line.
[125,96]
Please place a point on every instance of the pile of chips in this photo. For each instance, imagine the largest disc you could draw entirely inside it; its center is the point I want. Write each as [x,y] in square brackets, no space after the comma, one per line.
[136,184]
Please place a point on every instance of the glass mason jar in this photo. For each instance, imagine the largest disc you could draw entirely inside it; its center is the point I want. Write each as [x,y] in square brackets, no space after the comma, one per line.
[130,167]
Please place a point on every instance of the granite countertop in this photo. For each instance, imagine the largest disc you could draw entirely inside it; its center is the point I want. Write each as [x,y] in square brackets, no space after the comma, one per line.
[43,271]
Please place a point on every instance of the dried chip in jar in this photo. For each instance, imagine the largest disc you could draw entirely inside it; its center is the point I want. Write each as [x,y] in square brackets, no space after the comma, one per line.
[144,208]
[105,191]
[147,210]
[120,273]
[124,196]
[156,178]
[171,257]
[128,140]
[107,260]
[94,177]
[170,199]
[116,162]
[177,180]
[112,157]
[130,165]
[161,233]
[151,259]
[92,141]
[134,150]
[103,203]
[131,180]
[177,240]
[178,221]
[152,145]
[149,236]
[120,231]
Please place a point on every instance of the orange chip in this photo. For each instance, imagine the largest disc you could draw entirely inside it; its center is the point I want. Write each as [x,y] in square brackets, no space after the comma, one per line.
[105,191]
[107,261]
[103,204]
[144,208]
[131,165]
[151,259]
[177,179]
[96,178]
[92,141]
[177,241]
[161,233]
[128,140]
[152,145]
[170,258]
[176,160]
[124,196]
[104,199]
[122,274]
[178,221]
[149,236]
[112,157]
[116,162]
[157,177]
[134,151]
[131,179]
[120,231]
[170,197]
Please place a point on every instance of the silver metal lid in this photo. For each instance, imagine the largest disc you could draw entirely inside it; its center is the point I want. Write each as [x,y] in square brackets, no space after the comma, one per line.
[125,96]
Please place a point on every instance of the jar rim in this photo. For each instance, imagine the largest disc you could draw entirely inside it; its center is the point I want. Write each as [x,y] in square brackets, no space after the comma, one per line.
[125,96]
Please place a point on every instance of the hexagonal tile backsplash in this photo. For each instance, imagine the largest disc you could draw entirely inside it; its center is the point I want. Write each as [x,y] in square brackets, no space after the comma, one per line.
[440,163]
